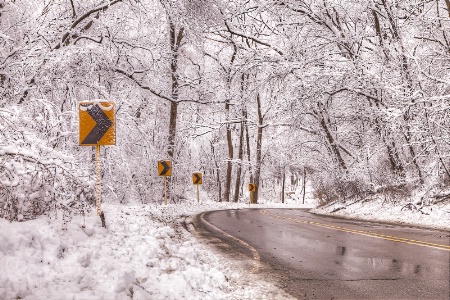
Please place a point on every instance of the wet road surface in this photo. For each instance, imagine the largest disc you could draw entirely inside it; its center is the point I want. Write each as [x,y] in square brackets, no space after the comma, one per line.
[317,257]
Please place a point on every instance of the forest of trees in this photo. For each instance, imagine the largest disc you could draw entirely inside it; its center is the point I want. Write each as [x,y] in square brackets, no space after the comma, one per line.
[352,94]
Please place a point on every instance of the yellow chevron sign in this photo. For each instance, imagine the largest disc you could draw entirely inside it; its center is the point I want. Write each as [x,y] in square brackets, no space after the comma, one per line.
[197,178]
[97,123]
[164,168]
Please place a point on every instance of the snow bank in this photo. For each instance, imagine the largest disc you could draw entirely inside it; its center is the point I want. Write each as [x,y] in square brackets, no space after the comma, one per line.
[403,212]
[143,254]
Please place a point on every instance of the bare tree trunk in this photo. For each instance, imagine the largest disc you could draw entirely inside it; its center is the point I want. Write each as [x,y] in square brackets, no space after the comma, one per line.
[258,148]
[172,129]
[392,151]
[241,146]
[226,193]
[219,184]
[175,42]
[436,146]
[406,71]
[282,186]
[239,166]
[331,141]
[448,7]
[333,145]
[247,142]
[444,33]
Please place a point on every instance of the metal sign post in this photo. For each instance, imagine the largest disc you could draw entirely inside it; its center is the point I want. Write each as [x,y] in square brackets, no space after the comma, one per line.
[98,183]
[198,195]
[165,190]
[165,169]
[97,127]
[197,179]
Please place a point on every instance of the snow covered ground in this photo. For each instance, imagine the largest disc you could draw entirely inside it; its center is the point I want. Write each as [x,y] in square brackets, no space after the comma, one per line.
[402,212]
[143,254]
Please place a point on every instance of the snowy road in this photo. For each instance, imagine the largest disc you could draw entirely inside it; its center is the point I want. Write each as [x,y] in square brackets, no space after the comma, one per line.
[316,257]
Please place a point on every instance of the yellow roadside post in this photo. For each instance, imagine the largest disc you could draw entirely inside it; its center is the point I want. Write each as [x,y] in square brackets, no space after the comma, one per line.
[165,169]
[252,190]
[97,127]
[197,179]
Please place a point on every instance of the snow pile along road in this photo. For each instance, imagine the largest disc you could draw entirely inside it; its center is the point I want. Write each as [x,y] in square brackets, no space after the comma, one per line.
[143,254]
[404,212]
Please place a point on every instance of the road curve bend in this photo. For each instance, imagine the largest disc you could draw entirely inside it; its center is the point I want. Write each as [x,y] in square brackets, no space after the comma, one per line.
[319,257]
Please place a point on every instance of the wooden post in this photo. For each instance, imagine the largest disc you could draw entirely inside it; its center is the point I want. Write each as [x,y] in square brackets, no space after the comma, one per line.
[198,195]
[98,186]
[98,180]
[165,190]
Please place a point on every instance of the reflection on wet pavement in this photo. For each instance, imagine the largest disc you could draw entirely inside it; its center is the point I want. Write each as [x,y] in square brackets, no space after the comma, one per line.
[331,257]
[311,249]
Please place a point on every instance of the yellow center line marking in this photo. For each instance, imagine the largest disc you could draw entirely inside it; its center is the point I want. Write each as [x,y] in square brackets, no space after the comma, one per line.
[364,233]
[254,252]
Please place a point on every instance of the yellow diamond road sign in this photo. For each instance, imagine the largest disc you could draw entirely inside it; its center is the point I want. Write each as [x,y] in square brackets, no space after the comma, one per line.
[97,123]
[252,187]
[197,178]
[164,168]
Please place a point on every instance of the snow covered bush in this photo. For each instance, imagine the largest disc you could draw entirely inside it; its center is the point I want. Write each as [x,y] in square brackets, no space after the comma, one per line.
[36,177]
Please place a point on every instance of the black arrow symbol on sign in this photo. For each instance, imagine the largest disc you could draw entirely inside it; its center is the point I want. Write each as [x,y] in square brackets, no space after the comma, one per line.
[252,187]
[166,168]
[102,126]
[197,178]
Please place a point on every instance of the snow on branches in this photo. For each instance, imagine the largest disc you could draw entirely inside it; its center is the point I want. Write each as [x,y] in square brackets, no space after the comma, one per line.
[36,178]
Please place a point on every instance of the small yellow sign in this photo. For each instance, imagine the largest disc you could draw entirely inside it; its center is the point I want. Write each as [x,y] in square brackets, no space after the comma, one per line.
[197,178]
[97,123]
[252,187]
[164,168]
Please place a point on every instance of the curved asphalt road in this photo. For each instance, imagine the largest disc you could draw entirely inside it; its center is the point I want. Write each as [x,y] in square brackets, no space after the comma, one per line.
[317,257]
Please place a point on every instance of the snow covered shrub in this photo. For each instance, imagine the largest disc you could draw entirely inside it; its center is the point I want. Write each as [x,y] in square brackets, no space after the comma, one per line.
[36,177]
[324,189]
[395,193]
[392,185]
[332,187]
